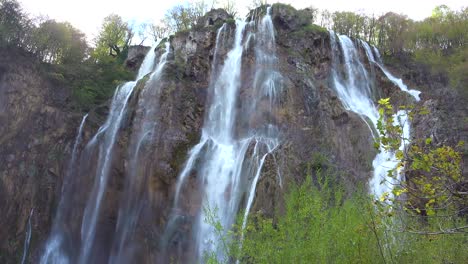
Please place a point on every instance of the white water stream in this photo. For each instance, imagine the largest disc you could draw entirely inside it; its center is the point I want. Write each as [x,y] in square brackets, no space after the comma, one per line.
[110,130]
[225,172]
[55,250]
[354,89]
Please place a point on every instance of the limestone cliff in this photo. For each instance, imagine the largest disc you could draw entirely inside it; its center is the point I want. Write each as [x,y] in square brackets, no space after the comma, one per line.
[38,129]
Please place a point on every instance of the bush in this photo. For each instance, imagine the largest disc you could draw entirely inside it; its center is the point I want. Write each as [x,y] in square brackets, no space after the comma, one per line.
[320,226]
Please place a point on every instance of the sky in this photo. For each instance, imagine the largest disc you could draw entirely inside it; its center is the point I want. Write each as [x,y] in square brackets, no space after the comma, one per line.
[87,15]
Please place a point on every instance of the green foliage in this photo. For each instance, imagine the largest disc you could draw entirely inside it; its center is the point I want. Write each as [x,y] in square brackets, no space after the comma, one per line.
[56,42]
[91,83]
[320,226]
[114,37]
[50,41]
[65,52]
[184,17]
[13,23]
[434,180]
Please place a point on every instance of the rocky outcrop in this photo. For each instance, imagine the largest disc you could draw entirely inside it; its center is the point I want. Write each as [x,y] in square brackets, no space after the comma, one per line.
[135,56]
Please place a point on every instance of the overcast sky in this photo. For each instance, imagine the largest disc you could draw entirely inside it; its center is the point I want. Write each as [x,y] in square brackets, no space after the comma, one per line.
[87,15]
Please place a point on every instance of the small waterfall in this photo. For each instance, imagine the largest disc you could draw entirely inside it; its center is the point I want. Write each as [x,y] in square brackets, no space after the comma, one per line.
[55,249]
[353,89]
[397,81]
[27,238]
[137,172]
[106,139]
[386,160]
[354,92]
[148,63]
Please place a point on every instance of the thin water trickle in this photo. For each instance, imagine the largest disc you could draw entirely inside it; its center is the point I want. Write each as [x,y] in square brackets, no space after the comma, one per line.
[27,239]
[55,252]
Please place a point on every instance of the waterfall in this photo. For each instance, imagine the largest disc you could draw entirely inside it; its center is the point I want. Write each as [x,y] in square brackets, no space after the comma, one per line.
[354,91]
[397,81]
[220,173]
[221,158]
[55,249]
[106,139]
[27,238]
[267,84]
[147,65]
[137,173]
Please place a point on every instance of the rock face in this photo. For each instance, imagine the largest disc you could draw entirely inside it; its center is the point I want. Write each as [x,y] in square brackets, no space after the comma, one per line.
[135,56]
[37,132]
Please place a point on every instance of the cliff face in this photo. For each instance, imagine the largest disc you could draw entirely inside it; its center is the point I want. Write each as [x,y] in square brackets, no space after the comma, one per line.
[37,132]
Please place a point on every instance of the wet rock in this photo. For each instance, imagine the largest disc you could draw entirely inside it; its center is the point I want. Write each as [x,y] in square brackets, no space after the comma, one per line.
[135,57]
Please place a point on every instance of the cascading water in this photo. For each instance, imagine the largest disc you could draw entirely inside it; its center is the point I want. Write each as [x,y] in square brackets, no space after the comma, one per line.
[110,130]
[267,84]
[225,171]
[220,173]
[397,81]
[400,118]
[106,146]
[59,248]
[354,91]
[148,63]
[55,249]
[137,173]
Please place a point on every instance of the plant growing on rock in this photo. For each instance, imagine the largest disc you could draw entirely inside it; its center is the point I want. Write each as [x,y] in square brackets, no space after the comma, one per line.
[434,184]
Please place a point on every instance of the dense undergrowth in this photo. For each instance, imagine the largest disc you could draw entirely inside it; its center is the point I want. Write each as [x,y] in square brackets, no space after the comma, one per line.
[321,225]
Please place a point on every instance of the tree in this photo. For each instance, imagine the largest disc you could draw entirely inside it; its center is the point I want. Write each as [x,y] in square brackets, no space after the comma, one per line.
[325,19]
[184,17]
[348,23]
[158,31]
[434,184]
[230,7]
[57,42]
[115,36]
[254,4]
[392,32]
[178,18]
[312,12]
[13,22]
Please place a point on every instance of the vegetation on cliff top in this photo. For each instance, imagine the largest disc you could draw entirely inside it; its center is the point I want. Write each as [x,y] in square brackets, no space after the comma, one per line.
[93,71]
[438,42]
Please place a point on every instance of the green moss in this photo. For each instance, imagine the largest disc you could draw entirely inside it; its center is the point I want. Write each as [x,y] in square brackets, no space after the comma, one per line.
[288,7]
[309,29]
[218,24]
[258,12]
[230,21]
[315,28]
